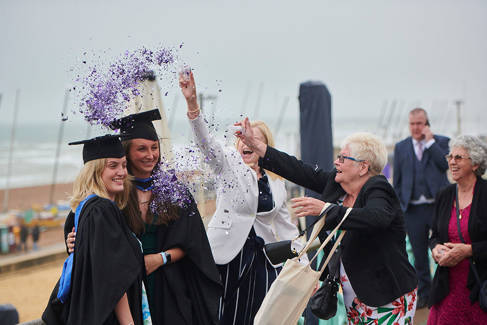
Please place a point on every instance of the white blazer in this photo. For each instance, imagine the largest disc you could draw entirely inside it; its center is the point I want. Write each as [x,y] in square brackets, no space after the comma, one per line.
[237,199]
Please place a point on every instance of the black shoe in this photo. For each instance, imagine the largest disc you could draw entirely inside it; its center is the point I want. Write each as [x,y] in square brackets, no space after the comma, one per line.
[422,302]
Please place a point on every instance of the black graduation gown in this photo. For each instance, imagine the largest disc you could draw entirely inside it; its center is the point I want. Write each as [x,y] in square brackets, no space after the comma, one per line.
[188,291]
[107,263]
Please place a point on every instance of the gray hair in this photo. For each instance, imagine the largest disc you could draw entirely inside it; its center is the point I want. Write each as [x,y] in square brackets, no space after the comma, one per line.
[368,147]
[476,149]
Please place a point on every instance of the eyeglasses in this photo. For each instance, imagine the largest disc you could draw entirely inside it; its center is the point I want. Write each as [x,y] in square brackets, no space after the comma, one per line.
[456,157]
[341,158]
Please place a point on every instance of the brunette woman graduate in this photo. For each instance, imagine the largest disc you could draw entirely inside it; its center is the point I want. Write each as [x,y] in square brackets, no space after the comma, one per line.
[104,283]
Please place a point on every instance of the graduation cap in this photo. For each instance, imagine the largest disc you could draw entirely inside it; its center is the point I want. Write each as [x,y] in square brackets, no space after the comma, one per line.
[138,125]
[107,146]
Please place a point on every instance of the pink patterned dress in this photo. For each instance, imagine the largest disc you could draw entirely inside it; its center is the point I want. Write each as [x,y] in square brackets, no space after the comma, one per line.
[456,308]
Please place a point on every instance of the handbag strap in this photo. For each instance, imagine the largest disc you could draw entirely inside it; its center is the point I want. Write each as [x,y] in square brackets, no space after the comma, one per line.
[472,263]
[333,249]
[314,222]
[330,237]
[334,264]
[317,225]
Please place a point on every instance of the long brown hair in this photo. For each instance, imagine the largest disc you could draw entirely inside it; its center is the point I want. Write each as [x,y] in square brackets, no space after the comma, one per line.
[167,211]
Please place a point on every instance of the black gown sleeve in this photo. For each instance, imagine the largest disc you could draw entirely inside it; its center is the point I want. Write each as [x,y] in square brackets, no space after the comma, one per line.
[68,227]
[190,288]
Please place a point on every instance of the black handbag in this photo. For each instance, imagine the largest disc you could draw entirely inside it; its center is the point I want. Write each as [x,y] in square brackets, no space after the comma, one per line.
[483,285]
[323,303]
[280,251]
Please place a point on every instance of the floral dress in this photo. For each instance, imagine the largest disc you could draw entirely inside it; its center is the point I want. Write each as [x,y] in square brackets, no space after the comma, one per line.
[400,311]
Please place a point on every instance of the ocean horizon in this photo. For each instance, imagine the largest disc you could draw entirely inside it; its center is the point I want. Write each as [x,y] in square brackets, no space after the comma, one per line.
[35,145]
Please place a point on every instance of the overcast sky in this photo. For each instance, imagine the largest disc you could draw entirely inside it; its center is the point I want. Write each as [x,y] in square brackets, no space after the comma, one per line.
[366,52]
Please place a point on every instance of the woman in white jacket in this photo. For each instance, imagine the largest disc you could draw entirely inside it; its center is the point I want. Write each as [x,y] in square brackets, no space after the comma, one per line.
[250,211]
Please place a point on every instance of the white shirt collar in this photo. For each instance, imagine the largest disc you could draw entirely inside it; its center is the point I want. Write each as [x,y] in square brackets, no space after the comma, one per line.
[415,142]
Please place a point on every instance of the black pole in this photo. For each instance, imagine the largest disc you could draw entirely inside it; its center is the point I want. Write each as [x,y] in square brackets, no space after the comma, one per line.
[281,116]
[257,104]
[88,131]
[173,112]
[245,98]
[11,150]
[58,148]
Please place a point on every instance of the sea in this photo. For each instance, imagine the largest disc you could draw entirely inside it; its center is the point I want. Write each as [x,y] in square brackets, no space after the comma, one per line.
[36,149]
[35,146]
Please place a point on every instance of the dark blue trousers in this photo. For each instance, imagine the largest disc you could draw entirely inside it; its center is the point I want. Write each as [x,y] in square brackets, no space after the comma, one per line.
[418,224]
[246,280]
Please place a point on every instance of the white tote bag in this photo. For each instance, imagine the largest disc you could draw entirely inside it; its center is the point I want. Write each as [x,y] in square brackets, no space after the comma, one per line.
[289,293]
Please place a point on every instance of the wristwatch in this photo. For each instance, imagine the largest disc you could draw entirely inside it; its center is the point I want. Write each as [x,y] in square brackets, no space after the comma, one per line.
[166,257]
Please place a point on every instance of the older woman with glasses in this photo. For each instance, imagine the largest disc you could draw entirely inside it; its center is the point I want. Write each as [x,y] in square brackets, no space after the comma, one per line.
[379,284]
[461,208]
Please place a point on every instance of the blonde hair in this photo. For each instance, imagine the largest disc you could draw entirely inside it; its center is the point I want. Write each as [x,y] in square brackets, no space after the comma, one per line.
[366,146]
[89,181]
[269,140]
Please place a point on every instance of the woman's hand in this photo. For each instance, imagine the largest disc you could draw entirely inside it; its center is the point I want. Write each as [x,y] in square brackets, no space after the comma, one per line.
[307,206]
[122,311]
[438,251]
[457,253]
[249,137]
[188,88]
[317,286]
[152,262]
[70,241]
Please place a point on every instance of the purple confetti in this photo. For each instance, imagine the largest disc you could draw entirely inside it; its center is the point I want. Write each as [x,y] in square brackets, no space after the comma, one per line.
[107,90]
[167,189]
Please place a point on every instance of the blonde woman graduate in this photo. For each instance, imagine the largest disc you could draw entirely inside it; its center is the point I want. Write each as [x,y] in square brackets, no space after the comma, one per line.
[103,282]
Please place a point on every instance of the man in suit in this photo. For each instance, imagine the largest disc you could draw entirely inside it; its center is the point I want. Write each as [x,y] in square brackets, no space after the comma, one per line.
[419,173]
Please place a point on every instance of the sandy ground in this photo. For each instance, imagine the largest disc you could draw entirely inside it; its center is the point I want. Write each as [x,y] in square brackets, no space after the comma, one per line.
[25,197]
[29,289]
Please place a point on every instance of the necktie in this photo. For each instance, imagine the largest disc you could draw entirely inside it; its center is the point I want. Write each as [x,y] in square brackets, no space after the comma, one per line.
[420,150]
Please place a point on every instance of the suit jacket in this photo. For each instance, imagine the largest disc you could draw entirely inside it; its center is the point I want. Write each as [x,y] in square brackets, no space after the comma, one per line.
[374,247]
[435,167]
[237,200]
[477,229]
